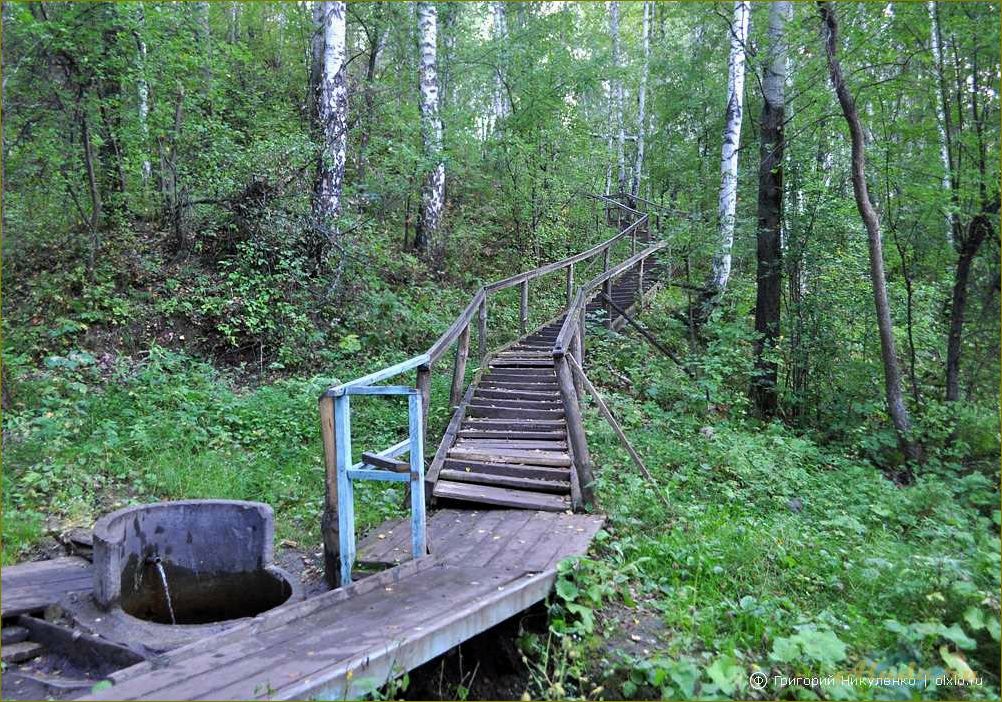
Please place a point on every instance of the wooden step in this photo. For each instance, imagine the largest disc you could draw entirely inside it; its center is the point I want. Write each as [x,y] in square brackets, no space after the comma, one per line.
[518,402]
[522,363]
[532,457]
[479,444]
[507,481]
[521,375]
[515,385]
[502,394]
[488,434]
[12,635]
[21,651]
[502,497]
[513,412]
[514,469]
[514,424]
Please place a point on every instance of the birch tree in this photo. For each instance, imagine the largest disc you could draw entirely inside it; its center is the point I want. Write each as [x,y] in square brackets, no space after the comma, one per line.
[942,110]
[888,352]
[143,92]
[642,102]
[433,191]
[501,106]
[617,94]
[727,200]
[332,115]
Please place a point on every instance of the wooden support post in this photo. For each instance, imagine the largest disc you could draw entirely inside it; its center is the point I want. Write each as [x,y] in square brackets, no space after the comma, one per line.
[459,367]
[482,330]
[640,282]
[607,288]
[345,489]
[570,284]
[615,427]
[523,308]
[573,350]
[581,336]
[633,242]
[424,388]
[575,431]
[329,520]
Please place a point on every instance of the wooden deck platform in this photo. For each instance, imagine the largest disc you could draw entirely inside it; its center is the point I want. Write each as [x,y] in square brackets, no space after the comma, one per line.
[485,567]
[31,587]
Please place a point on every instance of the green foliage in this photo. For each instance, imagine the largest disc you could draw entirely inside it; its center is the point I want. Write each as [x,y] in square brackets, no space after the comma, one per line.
[779,553]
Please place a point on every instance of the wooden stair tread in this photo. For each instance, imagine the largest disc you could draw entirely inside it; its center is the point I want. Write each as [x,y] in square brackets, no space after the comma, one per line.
[534,457]
[519,470]
[558,487]
[502,497]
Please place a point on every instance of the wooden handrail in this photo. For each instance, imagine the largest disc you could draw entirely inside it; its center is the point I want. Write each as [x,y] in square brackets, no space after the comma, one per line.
[589,290]
[442,344]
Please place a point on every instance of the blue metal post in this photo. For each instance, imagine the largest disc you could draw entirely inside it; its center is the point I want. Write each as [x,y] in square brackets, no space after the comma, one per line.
[418,536]
[345,490]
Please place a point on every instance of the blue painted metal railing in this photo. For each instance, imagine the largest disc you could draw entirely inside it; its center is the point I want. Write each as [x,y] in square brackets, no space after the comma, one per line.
[348,473]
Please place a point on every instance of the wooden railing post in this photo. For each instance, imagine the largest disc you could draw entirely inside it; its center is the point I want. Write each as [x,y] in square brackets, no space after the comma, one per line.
[575,430]
[640,282]
[573,350]
[424,388]
[523,308]
[482,330]
[633,241]
[459,367]
[570,284]
[607,287]
[329,520]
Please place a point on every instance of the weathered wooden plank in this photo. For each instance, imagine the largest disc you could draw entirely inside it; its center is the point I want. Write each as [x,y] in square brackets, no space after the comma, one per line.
[513,412]
[502,497]
[488,434]
[539,458]
[557,487]
[513,469]
[513,425]
[506,394]
[538,404]
[31,587]
[21,651]
[478,444]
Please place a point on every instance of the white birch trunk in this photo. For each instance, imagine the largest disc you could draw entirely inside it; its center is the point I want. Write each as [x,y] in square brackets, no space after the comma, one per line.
[617,94]
[332,115]
[143,92]
[642,102]
[234,21]
[502,107]
[727,202]
[433,192]
[944,149]
[205,39]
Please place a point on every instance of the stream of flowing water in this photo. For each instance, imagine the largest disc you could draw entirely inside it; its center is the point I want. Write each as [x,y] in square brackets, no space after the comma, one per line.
[163,579]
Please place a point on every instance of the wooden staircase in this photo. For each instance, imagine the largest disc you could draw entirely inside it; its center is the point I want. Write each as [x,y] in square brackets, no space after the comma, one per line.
[511,447]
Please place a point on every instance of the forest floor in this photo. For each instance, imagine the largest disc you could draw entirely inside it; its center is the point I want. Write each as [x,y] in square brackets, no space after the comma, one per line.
[779,550]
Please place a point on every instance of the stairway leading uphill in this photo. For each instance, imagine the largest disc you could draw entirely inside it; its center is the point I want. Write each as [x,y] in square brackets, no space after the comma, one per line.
[511,449]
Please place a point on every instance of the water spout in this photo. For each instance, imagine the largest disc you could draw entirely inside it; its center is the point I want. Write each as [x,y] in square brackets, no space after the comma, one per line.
[163,579]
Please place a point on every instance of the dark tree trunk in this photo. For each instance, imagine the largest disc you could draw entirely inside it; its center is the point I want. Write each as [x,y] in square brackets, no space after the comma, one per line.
[769,272]
[977,232]
[892,374]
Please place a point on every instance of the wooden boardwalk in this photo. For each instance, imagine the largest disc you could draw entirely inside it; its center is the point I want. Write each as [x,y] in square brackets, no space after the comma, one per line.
[506,480]
[486,567]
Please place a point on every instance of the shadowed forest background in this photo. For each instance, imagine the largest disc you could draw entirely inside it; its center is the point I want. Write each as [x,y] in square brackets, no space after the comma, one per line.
[196,244]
